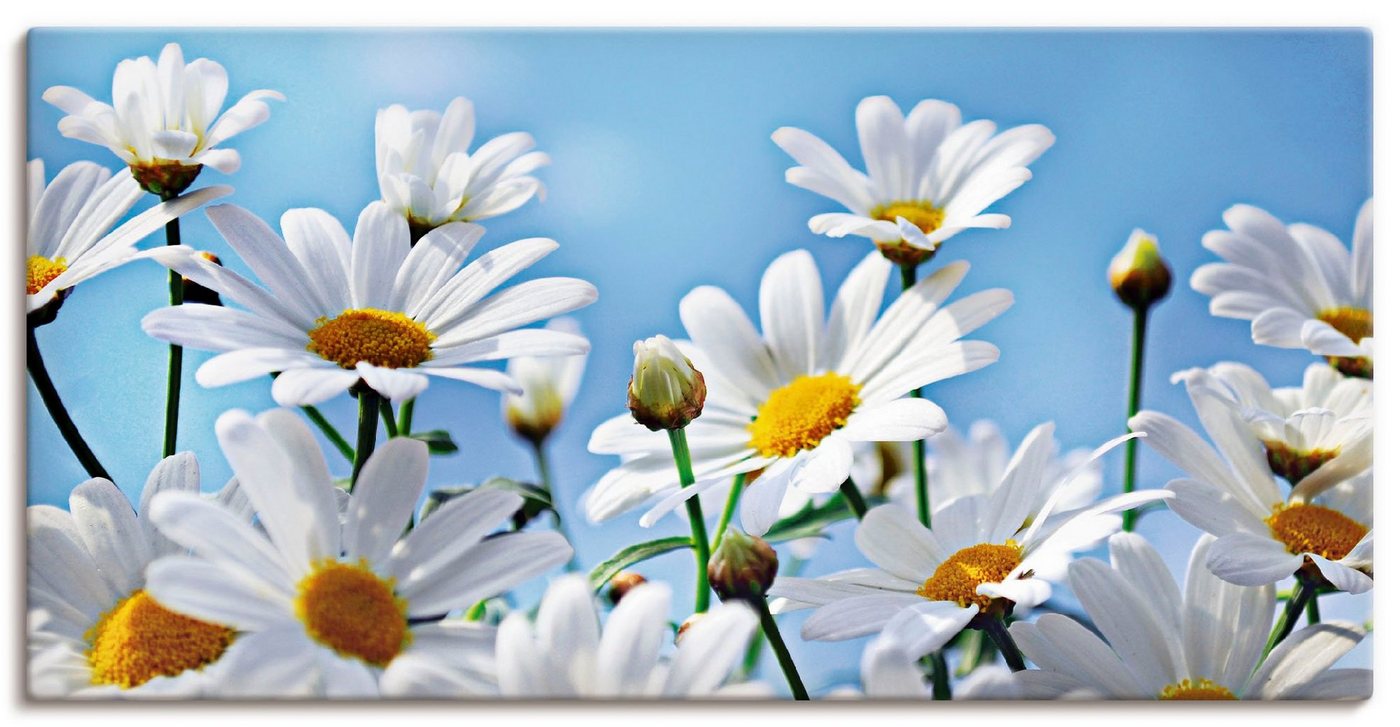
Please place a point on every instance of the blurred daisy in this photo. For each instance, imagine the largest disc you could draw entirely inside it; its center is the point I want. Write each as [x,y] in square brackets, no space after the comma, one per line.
[548,383]
[164,120]
[426,174]
[1158,645]
[352,610]
[1322,529]
[928,176]
[94,630]
[381,310]
[980,553]
[1297,284]
[564,654]
[70,237]
[792,400]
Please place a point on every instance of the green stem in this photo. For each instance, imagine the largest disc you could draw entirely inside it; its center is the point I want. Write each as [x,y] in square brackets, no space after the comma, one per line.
[49,394]
[1304,593]
[942,688]
[751,655]
[996,629]
[386,411]
[330,431]
[547,484]
[1134,401]
[780,650]
[854,498]
[406,416]
[908,276]
[1314,613]
[699,539]
[364,442]
[174,370]
[729,504]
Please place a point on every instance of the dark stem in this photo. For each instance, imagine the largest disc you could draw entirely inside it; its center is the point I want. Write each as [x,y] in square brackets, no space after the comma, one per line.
[1134,401]
[364,442]
[40,373]
[330,431]
[854,498]
[942,689]
[547,484]
[174,372]
[1314,613]
[1303,594]
[406,416]
[780,650]
[908,276]
[386,411]
[699,539]
[996,629]
[728,513]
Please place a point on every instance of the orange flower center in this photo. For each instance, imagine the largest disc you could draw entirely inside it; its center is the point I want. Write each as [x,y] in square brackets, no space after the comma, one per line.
[802,414]
[139,640]
[383,338]
[1307,528]
[958,577]
[41,271]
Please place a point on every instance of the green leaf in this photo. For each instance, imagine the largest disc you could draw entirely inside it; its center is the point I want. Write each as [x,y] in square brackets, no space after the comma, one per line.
[439,441]
[632,555]
[812,521]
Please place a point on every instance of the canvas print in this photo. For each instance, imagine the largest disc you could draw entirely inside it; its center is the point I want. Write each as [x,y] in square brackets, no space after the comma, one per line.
[684,364]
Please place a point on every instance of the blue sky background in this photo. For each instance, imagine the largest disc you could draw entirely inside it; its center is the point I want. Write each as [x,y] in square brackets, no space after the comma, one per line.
[664,178]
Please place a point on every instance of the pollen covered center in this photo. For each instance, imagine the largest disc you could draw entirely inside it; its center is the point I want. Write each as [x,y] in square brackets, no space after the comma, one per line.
[1354,323]
[1307,528]
[800,415]
[139,640]
[346,607]
[41,271]
[958,577]
[922,215]
[383,338]
[1196,690]
[1293,464]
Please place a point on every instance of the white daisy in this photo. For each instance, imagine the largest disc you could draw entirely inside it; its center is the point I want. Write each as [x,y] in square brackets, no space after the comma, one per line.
[382,310]
[164,119]
[70,237]
[792,400]
[1297,284]
[887,672]
[94,630]
[928,176]
[343,611]
[549,384]
[930,583]
[1159,643]
[426,174]
[1322,529]
[564,654]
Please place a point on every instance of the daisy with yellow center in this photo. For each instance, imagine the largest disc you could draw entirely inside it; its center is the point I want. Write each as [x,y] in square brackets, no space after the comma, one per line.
[793,400]
[1298,285]
[927,176]
[381,310]
[549,385]
[95,630]
[343,610]
[982,557]
[1194,644]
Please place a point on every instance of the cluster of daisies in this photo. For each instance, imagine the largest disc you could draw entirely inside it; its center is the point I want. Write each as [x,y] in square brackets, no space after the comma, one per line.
[303,577]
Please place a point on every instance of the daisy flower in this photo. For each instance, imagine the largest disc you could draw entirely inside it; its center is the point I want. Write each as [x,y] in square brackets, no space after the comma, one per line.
[380,310]
[94,629]
[426,174]
[352,610]
[1322,529]
[1297,284]
[1159,643]
[930,583]
[549,385]
[928,176]
[70,237]
[792,400]
[564,654]
[164,119]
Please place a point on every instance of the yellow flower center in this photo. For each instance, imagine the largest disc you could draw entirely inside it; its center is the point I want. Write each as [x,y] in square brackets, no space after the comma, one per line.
[1307,528]
[922,215]
[958,577]
[1196,690]
[1293,464]
[383,338]
[800,415]
[348,608]
[1354,323]
[41,271]
[139,640]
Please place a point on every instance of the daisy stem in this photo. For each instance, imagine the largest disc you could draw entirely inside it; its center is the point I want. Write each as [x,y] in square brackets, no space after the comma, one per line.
[1134,401]
[364,442]
[547,484]
[996,629]
[1303,594]
[908,276]
[729,504]
[406,416]
[174,372]
[330,431]
[780,650]
[699,539]
[854,498]
[49,394]
[942,690]
[386,410]
[1314,613]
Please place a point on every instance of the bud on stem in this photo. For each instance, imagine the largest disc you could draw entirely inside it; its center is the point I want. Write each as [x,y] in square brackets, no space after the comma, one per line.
[1138,274]
[742,567]
[666,391]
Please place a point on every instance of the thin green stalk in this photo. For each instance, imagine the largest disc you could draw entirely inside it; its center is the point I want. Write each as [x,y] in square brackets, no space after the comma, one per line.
[1134,401]
[780,650]
[49,394]
[406,416]
[729,504]
[996,629]
[174,370]
[699,539]
[364,442]
[751,655]
[942,688]
[330,431]
[1297,603]
[908,276]
[854,498]
[1314,613]
[386,411]
[547,484]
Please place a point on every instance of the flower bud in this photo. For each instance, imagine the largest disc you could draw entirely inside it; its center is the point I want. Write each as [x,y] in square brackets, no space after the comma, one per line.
[620,584]
[742,567]
[1138,274]
[666,391]
[548,385]
[196,293]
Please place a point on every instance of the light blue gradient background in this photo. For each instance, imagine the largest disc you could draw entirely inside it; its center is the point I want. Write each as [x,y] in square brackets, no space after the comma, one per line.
[664,178]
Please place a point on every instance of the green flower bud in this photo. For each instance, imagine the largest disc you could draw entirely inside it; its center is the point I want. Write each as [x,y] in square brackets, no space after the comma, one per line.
[1138,274]
[666,392]
[742,567]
